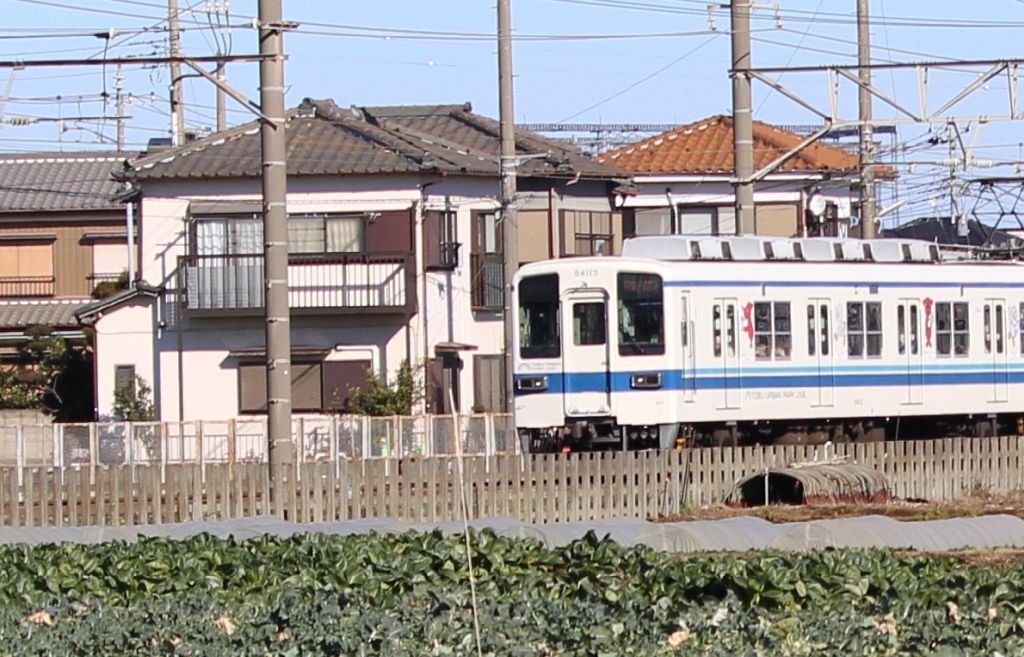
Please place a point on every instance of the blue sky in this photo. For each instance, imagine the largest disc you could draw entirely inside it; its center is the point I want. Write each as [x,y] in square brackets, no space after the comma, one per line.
[580,60]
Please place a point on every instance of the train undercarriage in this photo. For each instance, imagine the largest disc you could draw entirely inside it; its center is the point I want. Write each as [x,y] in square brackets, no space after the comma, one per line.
[603,434]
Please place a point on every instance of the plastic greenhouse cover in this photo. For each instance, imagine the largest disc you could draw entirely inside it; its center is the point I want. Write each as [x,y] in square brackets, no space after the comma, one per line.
[729,535]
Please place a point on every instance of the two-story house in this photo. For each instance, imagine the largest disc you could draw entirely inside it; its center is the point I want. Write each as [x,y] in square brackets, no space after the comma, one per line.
[682,183]
[395,255]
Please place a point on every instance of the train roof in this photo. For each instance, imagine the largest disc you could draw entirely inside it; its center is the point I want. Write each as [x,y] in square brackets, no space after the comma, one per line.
[767,260]
[762,249]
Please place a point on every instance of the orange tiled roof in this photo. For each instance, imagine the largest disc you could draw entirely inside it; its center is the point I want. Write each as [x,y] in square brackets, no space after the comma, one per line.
[706,147]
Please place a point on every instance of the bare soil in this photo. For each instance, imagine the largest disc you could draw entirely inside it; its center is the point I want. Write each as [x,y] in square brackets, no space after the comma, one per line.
[977,503]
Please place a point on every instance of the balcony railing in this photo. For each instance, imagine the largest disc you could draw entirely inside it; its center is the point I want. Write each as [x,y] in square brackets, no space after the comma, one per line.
[27,286]
[488,290]
[325,282]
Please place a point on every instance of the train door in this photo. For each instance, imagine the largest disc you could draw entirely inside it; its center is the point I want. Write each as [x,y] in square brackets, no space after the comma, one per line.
[819,345]
[726,346]
[688,371]
[995,346]
[585,364]
[908,326]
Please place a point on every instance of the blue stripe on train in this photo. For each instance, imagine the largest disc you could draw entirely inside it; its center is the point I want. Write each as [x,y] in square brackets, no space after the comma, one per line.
[673,380]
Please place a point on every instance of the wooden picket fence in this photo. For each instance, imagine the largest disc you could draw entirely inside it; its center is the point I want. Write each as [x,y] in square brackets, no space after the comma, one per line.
[533,488]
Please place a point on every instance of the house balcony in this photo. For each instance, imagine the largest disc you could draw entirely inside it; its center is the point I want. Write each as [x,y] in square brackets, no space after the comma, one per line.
[27,286]
[488,281]
[318,283]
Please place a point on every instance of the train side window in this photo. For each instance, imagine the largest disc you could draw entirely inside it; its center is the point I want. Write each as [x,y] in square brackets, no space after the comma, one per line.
[914,333]
[864,328]
[824,330]
[716,319]
[730,328]
[855,329]
[943,329]
[588,323]
[999,328]
[961,330]
[901,328]
[538,317]
[772,330]
[987,329]
[812,338]
[952,329]
[641,315]
[873,312]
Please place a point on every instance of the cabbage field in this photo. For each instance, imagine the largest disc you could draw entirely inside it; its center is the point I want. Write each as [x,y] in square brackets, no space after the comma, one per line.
[409,594]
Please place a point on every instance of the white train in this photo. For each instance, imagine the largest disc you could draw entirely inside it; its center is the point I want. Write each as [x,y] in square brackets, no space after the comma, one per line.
[765,340]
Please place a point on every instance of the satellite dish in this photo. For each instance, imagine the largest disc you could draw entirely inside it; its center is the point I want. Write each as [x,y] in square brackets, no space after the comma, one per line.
[817,205]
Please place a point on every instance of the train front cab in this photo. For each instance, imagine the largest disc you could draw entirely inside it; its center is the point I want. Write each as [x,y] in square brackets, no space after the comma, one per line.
[576,386]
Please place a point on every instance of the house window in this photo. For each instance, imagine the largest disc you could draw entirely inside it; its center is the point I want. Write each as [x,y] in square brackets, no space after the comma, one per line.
[772,331]
[26,268]
[591,232]
[952,329]
[487,263]
[488,383]
[306,234]
[326,233]
[681,220]
[307,387]
[441,248]
[124,381]
[228,236]
[864,328]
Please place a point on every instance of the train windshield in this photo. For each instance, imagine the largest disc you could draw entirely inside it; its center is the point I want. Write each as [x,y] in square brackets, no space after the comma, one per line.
[641,315]
[538,317]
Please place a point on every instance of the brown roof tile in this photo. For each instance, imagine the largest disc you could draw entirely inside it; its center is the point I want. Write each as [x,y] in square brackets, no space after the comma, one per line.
[706,147]
[325,139]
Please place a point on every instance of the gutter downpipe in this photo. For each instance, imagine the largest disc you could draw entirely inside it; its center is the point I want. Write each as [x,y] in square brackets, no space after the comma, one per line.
[421,282]
[129,211]
[674,228]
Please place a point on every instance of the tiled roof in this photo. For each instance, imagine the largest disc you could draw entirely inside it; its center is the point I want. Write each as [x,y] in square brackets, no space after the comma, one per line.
[58,313]
[324,139]
[42,182]
[706,147]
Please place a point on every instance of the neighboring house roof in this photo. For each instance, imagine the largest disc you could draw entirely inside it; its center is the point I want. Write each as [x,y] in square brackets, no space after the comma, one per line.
[942,230]
[23,313]
[89,313]
[324,139]
[706,147]
[48,182]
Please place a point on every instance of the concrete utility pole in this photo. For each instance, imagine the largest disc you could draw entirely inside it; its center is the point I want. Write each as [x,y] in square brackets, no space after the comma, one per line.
[222,121]
[867,145]
[742,117]
[508,166]
[119,100]
[275,235]
[177,101]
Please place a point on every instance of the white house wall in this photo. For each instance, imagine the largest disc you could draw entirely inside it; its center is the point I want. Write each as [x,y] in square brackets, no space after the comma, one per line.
[720,192]
[209,373]
[124,337]
[444,300]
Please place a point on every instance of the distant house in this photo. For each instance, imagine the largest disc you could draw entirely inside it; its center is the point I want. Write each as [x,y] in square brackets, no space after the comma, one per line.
[682,182]
[943,230]
[62,233]
[396,254]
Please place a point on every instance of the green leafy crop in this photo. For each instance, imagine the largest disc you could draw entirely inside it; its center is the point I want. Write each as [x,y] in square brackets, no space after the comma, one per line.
[409,594]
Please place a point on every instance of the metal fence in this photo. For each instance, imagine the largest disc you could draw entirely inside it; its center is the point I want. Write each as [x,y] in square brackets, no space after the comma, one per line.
[318,438]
